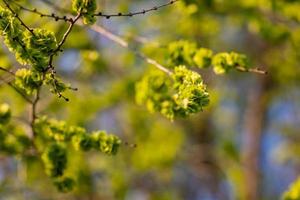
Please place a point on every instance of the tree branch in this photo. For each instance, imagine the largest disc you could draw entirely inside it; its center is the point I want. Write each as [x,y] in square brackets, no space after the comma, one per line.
[17,16]
[35,11]
[33,110]
[63,40]
[131,14]
[253,70]
[117,39]
[25,97]
[61,43]
[7,71]
[99,14]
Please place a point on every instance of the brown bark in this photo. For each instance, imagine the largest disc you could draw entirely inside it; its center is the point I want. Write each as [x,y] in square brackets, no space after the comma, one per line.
[253,129]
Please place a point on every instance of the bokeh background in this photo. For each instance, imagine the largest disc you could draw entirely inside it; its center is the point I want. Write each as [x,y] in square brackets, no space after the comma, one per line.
[245,145]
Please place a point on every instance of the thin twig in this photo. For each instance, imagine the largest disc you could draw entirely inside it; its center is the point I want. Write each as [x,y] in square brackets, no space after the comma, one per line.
[17,16]
[7,71]
[6,79]
[131,14]
[25,97]
[72,23]
[58,48]
[117,39]
[35,11]
[63,40]
[33,110]
[98,14]
[253,70]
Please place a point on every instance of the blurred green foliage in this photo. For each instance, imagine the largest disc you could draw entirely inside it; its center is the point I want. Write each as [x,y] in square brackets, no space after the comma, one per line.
[157,159]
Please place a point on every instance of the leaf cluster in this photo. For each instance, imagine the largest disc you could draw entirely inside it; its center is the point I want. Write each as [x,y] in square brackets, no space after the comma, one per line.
[181,94]
[188,53]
